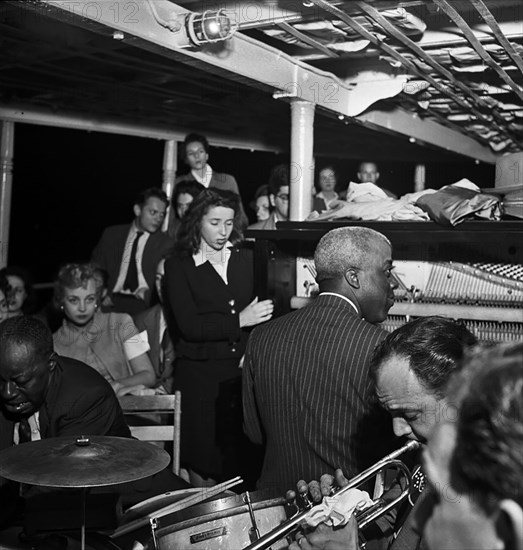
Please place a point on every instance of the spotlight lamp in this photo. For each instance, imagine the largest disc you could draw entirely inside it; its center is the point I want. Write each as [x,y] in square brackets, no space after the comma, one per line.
[209,27]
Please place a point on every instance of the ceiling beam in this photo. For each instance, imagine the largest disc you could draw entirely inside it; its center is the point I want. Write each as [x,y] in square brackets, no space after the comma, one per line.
[75,121]
[240,59]
[426,131]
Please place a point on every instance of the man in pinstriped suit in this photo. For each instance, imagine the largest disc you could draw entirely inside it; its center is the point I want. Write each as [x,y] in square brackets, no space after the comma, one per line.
[307,393]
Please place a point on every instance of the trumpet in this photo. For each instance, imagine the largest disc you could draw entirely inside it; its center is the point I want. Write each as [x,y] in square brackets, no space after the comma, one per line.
[365,517]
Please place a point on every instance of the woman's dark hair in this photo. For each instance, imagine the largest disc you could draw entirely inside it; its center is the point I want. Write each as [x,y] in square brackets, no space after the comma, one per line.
[189,235]
[27,278]
[192,188]
[262,191]
[192,138]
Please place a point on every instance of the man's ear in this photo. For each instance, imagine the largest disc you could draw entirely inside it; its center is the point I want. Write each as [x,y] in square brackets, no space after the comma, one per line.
[509,524]
[137,210]
[352,278]
[271,200]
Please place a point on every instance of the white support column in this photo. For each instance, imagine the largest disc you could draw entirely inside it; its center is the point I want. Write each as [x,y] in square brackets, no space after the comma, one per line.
[7,143]
[419,177]
[302,161]
[169,170]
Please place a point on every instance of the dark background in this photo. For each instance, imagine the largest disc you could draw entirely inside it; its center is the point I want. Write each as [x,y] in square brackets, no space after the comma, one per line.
[68,185]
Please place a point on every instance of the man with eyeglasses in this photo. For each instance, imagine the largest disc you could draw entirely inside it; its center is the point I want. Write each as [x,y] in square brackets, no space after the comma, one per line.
[279,184]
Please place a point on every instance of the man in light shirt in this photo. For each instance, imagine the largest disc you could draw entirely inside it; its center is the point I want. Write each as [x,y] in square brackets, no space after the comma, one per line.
[130,254]
[368,172]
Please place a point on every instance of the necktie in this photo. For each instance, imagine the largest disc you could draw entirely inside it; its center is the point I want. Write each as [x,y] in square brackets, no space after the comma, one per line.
[24,431]
[131,279]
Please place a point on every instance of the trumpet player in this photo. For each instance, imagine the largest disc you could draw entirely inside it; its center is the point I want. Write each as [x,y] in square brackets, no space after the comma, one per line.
[473,462]
[411,369]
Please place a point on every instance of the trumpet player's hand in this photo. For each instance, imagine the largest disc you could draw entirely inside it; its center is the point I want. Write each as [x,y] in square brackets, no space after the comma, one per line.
[329,538]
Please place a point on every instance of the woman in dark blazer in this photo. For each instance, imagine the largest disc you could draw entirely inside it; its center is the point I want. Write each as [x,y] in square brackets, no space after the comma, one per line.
[210,303]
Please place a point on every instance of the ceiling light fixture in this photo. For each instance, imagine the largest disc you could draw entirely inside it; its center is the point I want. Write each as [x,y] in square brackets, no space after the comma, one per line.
[209,27]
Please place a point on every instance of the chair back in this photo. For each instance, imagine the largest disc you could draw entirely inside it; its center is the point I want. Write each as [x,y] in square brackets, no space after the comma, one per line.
[164,408]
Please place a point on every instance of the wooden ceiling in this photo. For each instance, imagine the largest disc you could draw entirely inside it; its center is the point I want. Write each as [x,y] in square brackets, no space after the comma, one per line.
[447,76]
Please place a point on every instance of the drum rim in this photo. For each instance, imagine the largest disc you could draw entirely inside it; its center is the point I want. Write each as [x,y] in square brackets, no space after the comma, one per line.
[219,514]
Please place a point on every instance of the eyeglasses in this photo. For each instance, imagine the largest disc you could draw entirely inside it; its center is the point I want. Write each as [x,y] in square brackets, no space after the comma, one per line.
[283,197]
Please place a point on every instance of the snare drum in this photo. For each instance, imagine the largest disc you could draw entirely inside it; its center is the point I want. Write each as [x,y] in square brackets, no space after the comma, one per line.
[223,524]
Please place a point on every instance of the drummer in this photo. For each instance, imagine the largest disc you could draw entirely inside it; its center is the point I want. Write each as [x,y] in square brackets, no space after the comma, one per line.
[44,395]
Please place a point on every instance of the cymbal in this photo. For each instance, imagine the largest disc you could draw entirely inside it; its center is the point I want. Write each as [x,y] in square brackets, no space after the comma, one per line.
[88,461]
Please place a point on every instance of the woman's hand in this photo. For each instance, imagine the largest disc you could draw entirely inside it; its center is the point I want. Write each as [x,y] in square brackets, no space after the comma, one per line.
[256,313]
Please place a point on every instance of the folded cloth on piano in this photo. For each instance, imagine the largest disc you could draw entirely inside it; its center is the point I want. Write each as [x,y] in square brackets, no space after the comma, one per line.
[455,203]
[380,210]
[364,192]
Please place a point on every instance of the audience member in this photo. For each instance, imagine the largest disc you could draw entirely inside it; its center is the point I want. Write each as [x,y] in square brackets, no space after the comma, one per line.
[474,458]
[209,303]
[279,188]
[307,389]
[327,181]
[368,173]
[108,342]
[130,253]
[4,288]
[20,295]
[184,194]
[153,321]
[412,369]
[261,203]
[196,154]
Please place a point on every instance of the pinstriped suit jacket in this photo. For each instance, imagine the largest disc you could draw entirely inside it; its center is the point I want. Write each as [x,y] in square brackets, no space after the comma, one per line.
[307,394]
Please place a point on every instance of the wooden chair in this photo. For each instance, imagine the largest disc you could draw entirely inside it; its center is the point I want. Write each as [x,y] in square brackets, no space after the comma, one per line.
[165,405]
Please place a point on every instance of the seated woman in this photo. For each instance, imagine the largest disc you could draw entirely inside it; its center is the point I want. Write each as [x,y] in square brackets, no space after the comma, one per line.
[108,342]
[327,181]
[261,203]
[20,297]
[184,193]
[210,302]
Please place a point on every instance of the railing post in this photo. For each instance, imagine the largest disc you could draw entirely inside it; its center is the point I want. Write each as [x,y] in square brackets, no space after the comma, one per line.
[169,170]
[7,143]
[302,160]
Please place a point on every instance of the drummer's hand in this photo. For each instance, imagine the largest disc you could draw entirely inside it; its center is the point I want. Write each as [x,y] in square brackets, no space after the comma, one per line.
[328,538]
